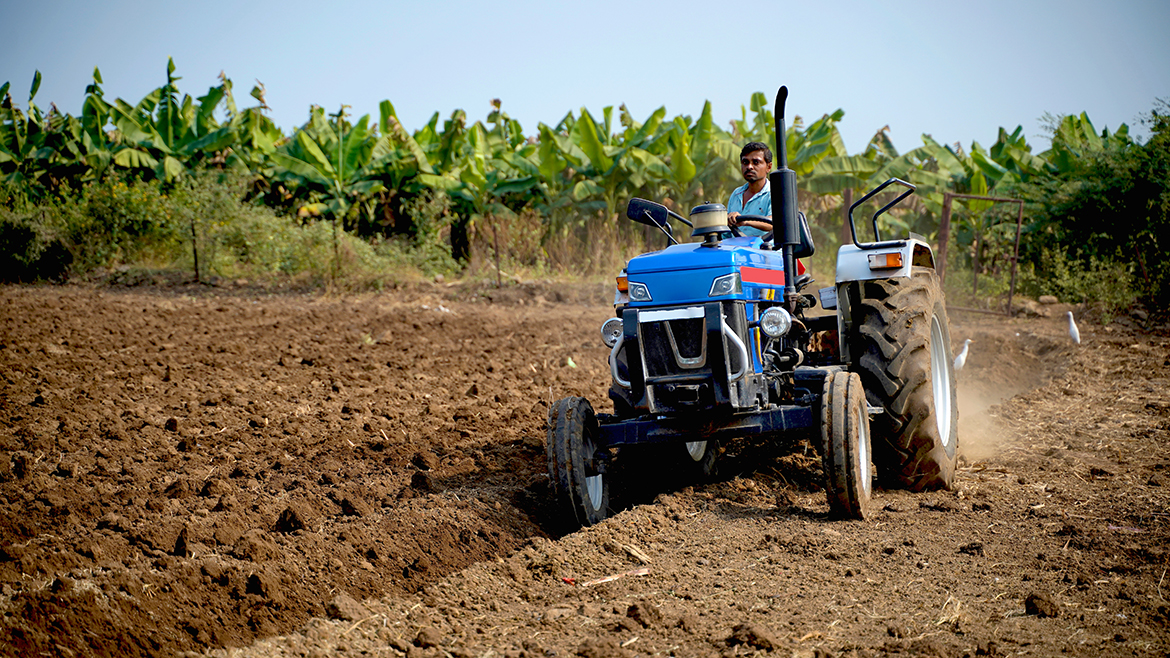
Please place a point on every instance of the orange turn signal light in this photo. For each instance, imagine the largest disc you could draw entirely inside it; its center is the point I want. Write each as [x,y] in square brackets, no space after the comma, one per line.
[885,261]
[623,284]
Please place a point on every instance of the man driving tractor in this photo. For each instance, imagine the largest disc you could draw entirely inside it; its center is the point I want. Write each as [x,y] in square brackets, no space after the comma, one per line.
[755,196]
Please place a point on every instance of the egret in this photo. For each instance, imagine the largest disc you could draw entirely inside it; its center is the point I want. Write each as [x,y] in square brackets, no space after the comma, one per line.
[962,358]
[1072,329]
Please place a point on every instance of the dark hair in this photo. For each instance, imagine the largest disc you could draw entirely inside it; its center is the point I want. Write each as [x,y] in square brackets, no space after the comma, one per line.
[752,147]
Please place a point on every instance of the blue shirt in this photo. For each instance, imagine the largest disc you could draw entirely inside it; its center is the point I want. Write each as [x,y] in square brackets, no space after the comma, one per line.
[760,204]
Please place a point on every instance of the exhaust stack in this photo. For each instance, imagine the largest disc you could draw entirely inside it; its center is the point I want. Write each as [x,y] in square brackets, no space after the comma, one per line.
[785,226]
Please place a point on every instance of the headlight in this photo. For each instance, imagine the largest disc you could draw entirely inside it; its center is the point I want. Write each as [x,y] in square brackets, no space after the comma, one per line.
[639,293]
[775,322]
[728,284]
[611,331]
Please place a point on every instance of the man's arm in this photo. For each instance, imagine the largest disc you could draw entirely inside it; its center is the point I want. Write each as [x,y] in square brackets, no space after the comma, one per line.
[754,224]
[734,220]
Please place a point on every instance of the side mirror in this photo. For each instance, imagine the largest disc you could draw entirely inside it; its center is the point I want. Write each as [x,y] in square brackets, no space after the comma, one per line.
[648,213]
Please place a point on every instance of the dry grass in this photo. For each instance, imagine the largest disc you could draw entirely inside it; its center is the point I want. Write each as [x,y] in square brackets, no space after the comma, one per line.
[529,245]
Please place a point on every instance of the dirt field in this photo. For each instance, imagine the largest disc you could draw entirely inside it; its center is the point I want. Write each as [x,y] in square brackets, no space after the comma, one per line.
[231,472]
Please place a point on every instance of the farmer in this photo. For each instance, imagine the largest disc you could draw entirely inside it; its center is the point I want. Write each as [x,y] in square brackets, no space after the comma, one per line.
[755,196]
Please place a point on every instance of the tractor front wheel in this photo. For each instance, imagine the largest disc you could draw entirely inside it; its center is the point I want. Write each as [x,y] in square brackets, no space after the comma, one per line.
[699,460]
[577,475]
[846,447]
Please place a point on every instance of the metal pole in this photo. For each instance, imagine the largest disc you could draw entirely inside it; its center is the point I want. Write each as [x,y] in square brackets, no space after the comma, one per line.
[847,200]
[496,240]
[975,268]
[1015,255]
[944,236]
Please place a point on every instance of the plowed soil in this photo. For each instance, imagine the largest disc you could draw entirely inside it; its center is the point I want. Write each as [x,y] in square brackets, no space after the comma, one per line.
[227,471]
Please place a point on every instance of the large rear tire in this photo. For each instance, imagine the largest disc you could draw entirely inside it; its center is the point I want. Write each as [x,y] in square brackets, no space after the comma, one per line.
[578,481]
[847,452]
[900,345]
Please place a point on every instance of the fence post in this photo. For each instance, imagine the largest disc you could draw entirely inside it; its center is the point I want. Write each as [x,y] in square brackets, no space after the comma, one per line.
[944,236]
[1016,254]
[847,200]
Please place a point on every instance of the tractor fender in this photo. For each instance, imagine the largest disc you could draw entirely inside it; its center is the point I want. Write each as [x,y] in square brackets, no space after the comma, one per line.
[890,260]
[878,261]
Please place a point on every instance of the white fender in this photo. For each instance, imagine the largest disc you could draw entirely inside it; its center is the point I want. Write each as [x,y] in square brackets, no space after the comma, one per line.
[896,260]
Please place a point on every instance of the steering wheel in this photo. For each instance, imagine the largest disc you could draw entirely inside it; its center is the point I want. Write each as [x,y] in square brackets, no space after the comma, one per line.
[753,218]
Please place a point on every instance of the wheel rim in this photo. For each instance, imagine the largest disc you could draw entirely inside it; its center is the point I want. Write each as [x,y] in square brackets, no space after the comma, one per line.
[940,378]
[863,448]
[594,484]
[697,449]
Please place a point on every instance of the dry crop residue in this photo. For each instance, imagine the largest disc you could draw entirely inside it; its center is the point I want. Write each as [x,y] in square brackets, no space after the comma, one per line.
[184,472]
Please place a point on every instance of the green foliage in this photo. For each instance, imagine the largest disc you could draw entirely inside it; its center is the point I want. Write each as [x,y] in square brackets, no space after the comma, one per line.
[1107,285]
[122,220]
[119,221]
[163,180]
[104,223]
[1109,202]
[429,250]
[29,250]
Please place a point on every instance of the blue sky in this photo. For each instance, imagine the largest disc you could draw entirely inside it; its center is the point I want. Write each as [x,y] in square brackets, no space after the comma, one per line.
[956,71]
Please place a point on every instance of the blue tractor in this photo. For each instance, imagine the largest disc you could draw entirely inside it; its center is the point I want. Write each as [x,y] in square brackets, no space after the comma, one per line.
[718,339]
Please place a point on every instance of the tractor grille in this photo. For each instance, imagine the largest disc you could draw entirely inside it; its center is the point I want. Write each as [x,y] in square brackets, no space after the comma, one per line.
[674,347]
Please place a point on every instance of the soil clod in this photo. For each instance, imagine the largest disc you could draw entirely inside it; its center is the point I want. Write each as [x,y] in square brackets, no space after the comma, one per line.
[753,635]
[1041,605]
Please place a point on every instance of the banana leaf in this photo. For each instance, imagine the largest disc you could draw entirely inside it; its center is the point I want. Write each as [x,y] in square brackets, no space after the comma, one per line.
[133,158]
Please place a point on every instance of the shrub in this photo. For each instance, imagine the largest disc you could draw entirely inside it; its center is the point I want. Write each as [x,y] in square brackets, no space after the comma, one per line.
[1113,207]
[121,220]
[1107,285]
[30,250]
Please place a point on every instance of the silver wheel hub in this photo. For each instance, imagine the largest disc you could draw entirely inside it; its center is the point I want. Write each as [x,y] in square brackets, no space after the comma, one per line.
[593,483]
[940,382]
[697,449]
[863,449]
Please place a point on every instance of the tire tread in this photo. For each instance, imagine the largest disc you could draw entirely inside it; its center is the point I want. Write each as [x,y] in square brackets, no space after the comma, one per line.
[892,338]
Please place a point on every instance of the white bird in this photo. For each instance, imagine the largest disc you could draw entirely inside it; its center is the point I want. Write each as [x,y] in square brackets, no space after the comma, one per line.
[962,358]
[1072,329]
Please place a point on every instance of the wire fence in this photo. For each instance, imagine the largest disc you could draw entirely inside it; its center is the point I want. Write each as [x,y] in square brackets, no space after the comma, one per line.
[978,249]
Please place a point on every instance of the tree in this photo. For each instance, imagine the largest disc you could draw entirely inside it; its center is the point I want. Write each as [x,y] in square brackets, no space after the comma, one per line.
[1109,199]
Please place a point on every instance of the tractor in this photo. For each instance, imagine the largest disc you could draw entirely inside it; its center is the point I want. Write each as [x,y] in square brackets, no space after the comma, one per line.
[717,339]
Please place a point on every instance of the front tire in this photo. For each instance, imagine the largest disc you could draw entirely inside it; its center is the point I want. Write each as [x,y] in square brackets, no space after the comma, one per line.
[699,460]
[901,347]
[847,451]
[578,479]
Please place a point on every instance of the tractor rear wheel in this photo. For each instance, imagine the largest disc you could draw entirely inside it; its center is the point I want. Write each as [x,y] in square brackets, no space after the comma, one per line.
[577,475]
[846,454]
[900,345]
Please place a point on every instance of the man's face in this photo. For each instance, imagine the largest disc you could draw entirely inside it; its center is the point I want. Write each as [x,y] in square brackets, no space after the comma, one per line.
[753,166]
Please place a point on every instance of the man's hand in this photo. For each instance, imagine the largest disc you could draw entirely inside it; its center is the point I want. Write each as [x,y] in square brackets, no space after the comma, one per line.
[731,219]
[758,225]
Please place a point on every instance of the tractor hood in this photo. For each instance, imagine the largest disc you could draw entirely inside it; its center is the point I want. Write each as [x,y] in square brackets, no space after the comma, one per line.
[693,256]
[686,273]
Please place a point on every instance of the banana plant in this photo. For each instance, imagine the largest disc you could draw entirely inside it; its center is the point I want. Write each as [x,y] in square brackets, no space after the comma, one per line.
[95,116]
[329,168]
[1074,137]
[491,170]
[24,155]
[256,137]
